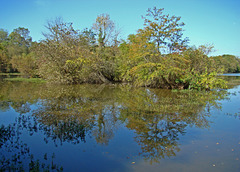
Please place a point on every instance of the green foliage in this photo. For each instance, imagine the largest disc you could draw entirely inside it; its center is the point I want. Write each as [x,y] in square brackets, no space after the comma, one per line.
[19,42]
[199,61]
[191,70]
[25,64]
[72,57]
[228,63]
[144,64]
[16,53]
[4,60]
[164,30]
[3,35]
[156,56]
[205,81]
[59,53]
[5,65]
[162,74]
[78,71]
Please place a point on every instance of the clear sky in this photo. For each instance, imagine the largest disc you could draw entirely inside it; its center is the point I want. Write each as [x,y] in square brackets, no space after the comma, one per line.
[214,22]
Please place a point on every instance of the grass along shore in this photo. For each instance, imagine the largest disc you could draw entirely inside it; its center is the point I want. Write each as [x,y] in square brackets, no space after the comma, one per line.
[35,80]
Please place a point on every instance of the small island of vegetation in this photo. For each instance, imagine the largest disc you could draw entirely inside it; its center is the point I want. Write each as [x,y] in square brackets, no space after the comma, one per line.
[156,56]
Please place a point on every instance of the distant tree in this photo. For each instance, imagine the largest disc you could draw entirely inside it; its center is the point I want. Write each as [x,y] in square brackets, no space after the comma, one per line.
[19,51]
[3,36]
[4,58]
[198,58]
[19,41]
[227,63]
[25,64]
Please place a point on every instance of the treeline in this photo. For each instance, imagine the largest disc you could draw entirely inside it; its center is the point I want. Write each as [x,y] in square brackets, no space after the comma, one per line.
[156,56]
[228,63]
[15,50]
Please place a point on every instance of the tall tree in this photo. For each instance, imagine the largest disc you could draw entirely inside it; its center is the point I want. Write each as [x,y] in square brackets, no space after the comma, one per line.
[104,28]
[164,30]
[105,57]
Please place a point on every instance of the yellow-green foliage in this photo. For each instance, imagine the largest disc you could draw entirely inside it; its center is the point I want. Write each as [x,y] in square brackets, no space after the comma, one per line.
[179,70]
[25,64]
[156,56]
[207,81]
[228,63]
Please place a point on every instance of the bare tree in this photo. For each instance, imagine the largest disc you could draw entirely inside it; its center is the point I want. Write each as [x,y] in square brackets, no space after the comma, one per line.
[104,28]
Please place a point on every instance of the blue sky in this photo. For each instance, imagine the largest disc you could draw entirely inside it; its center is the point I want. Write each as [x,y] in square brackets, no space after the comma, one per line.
[214,22]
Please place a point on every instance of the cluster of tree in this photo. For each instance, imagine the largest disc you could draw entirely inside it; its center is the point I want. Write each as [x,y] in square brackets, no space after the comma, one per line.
[228,63]
[16,52]
[156,56]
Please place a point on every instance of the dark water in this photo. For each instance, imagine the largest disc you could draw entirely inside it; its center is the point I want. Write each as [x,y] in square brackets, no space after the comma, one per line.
[118,128]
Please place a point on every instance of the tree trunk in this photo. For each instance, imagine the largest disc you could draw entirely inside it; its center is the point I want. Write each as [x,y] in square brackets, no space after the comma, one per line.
[103,78]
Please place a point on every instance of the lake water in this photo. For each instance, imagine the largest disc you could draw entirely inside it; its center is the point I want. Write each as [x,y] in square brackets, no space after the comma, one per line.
[118,128]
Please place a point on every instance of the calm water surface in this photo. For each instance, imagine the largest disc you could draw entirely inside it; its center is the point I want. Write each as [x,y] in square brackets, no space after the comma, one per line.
[118,128]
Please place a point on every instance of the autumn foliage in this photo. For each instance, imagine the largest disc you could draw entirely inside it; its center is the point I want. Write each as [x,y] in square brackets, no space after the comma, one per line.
[157,56]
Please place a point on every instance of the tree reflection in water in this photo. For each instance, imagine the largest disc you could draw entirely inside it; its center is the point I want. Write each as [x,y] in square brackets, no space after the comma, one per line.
[15,155]
[160,116]
[70,113]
